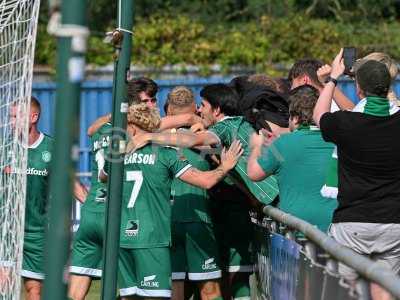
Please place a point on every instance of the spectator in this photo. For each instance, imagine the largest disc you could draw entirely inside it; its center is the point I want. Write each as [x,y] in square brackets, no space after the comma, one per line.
[368,216]
[390,64]
[330,187]
[261,104]
[304,71]
[313,72]
[299,161]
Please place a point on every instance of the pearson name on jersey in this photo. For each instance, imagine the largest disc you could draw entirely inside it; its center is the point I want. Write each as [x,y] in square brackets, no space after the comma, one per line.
[146,213]
[140,158]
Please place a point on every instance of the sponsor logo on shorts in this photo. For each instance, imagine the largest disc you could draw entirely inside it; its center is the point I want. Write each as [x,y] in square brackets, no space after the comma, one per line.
[132,228]
[150,281]
[209,264]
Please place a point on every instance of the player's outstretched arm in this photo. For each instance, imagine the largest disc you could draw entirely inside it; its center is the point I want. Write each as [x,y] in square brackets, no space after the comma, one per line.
[167,122]
[207,179]
[80,191]
[178,121]
[98,123]
[254,170]
[179,139]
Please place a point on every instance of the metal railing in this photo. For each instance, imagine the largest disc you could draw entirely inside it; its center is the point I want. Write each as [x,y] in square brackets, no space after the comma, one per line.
[295,260]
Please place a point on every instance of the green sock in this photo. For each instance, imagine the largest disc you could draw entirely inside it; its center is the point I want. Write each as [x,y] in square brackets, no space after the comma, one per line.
[241,289]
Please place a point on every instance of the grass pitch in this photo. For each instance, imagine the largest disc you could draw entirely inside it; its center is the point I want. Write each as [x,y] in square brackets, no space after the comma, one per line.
[95,291]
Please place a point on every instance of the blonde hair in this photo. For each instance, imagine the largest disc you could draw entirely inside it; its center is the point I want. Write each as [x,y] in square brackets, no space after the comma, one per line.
[144,117]
[180,96]
[390,64]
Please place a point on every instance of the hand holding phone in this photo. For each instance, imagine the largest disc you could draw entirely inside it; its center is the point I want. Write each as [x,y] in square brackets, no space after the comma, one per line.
[349,57]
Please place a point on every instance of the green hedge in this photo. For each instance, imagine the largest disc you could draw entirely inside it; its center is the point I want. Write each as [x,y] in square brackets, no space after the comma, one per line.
[268,44]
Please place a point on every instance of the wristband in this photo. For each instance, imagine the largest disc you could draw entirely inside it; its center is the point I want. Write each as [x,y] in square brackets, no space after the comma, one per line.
[330,79]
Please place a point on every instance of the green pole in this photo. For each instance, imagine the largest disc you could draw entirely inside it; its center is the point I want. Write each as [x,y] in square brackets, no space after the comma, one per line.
[72,35]
[122,39]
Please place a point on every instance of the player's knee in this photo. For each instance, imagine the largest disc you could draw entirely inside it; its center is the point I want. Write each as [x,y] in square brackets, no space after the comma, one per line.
[33,291]
[75,293]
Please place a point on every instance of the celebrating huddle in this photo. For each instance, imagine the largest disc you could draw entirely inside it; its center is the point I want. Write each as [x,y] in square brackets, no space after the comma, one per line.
[193,178]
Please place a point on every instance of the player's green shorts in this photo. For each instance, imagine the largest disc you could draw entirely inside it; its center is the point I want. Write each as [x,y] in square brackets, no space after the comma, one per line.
[145,272]
[194,251]
[32,264]
[234,232]
[87,249]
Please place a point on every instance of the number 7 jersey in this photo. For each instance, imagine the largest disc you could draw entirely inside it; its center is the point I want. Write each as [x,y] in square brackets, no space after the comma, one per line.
[146,208]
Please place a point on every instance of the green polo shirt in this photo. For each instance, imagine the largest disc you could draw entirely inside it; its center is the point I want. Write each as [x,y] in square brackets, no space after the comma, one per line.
[299,161]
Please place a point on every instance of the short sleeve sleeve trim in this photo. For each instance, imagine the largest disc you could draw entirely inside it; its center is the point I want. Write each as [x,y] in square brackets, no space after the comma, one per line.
[183,170]
[216,136]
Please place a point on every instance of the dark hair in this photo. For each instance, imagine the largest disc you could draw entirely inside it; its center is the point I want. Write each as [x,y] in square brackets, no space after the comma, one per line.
[302,102]
[221,96]
[241,85]
[307,67]
[35,103]
[141,84]
[283,85]
[374,79]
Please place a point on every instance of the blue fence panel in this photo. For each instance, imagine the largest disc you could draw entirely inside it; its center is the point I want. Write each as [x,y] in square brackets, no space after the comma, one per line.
[96,101]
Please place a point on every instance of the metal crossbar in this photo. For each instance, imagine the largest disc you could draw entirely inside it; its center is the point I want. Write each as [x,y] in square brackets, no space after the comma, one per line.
[367,268]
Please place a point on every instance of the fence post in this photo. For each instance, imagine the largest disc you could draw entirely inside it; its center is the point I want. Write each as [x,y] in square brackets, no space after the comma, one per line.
[72,35]
[122,39]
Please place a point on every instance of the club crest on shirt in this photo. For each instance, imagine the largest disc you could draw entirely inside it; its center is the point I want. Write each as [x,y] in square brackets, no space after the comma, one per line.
[132,228]
[46,156]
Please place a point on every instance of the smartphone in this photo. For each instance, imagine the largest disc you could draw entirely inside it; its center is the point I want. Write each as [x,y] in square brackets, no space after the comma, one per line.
[349,56]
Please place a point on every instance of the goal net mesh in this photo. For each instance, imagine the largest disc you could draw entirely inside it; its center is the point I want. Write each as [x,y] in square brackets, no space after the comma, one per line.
[18,24]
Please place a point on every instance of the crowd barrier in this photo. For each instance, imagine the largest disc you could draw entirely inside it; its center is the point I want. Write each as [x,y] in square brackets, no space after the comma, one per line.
[296,261]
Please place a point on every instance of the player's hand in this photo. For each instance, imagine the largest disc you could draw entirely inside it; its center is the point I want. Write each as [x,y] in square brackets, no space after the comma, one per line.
[230,157]
[198,127]
[338,65]
[137,142]
[323,73]
[256,140]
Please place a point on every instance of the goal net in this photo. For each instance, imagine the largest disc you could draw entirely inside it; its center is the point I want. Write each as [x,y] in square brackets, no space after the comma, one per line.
[18,23]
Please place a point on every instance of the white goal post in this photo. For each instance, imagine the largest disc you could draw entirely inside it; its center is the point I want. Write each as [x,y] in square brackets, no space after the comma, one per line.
[18,25]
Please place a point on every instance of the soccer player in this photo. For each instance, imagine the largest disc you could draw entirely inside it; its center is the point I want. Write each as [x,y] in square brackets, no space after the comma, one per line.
[145,267]
[144,90]
[39,158]
[87,249]
[194,247]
